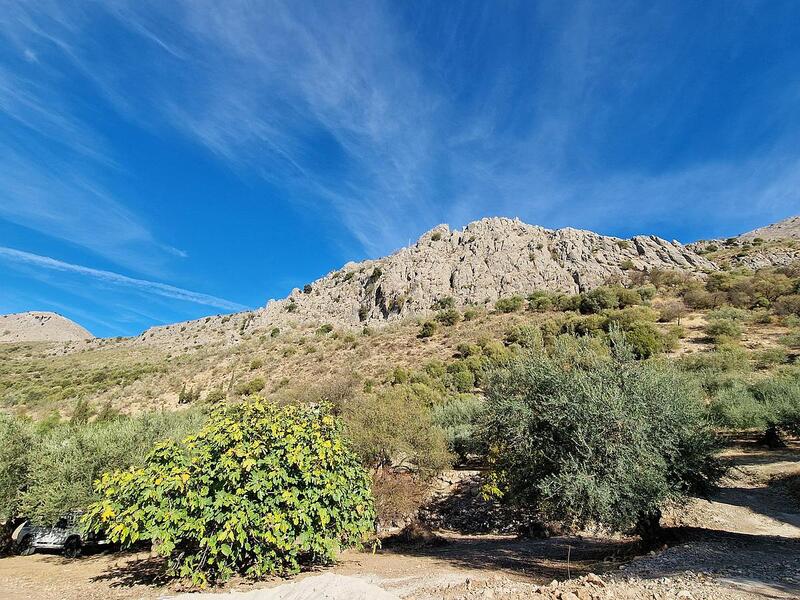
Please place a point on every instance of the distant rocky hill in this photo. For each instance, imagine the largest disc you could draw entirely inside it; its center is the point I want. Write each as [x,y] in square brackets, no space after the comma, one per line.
[40,327]
[788,229]
[771,246]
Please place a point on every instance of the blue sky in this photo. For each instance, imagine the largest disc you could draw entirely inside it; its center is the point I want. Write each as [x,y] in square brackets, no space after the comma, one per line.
[161,161]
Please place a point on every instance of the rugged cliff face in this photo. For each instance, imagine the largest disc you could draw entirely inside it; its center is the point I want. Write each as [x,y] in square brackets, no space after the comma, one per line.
[40,327]
[487,260]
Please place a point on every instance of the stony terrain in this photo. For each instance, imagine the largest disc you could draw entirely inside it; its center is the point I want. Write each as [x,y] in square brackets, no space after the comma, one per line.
[40,327]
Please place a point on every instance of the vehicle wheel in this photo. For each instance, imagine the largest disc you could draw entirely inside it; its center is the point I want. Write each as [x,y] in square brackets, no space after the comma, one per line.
[72,547]
[25,546]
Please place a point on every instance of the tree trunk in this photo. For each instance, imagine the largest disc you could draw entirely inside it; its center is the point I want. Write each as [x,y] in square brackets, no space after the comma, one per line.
[648,526]
[772,438]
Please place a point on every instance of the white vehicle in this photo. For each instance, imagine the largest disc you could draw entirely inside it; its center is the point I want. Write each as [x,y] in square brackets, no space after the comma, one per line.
[66,535]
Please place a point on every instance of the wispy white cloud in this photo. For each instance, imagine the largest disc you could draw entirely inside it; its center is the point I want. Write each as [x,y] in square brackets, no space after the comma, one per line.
[340,106]
[141,285]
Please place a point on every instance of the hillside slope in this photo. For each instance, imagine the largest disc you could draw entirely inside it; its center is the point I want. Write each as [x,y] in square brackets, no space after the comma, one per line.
[40,327]
[782,230]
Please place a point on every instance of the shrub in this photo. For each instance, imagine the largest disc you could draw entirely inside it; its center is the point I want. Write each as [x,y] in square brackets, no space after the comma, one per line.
[470,314]
[459,418]
[291,306]
[394,429]
[598,299]
[644,339]
[363,313]
[256,363]
[627,265]
[66,460]
[445,303]
[590,440]
[788,305]
[735,407]
[16,441]
[541,301]
[253,386]
[771,357]
[215,396]
[307,288]
[437,235]
[673,310]
[428,329]
[721,329]
[188,395]
[791,340]
[448,317]
[275,332]
[526,336]
[462,381]
[260,490]
[325,329]
[627,297]
[698,298]
[510,304]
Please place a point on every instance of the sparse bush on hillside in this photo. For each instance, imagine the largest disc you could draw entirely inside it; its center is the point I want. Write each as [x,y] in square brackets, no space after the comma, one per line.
[428,329]
[788,305]
[791,340]
[260,490]
[188,395]
[510,304]
[586,439]
[723,329]
[598,300]
[470,314]
[247,388]
[445,303]
[449,316]
[215,396]
[673,310]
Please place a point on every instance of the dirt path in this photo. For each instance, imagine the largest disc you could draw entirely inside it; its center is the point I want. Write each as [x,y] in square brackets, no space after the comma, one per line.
[742,543]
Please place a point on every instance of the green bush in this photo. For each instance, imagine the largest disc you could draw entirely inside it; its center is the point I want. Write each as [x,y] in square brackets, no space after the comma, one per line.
[395,428]
[541,301]
[598,300]
[449,316]
[510,304]
[721,329]
[65,460]
[247,388]
[470,314]
[462,381]
[260,490]
[735,407]
[16,442]
[459,417]
[582,439]
[445,303]
[791,340]
[428,329]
